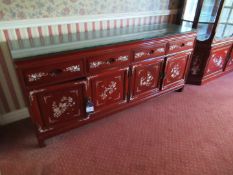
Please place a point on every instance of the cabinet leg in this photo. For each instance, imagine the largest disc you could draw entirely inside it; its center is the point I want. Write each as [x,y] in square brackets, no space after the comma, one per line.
[180,90]
[41,143]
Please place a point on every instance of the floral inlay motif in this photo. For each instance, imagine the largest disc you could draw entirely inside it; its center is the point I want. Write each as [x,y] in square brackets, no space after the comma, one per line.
[108,90]
[218,61]
[96,64]
[160,50]
[147,80]
[139,54]
[122,58]
[173,47]
[190,43]
[36,76]
[175,72]
[195,68]
[62,106]
[230,61]
[75,68]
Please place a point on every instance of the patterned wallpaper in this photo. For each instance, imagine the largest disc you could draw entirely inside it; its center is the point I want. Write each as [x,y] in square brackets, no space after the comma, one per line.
[31,9]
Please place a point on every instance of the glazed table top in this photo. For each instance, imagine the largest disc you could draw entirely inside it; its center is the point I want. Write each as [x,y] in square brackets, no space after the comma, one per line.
[27,48]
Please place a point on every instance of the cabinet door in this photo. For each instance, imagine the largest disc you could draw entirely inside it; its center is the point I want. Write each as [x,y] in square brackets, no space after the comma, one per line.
[62,103]
[146,78]
[230,62]
[175,70]
[109,89]
[216,60]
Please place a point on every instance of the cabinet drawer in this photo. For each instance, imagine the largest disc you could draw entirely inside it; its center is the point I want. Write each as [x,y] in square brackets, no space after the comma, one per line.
[53,73]
[179,45]
[108,61]
[149,51]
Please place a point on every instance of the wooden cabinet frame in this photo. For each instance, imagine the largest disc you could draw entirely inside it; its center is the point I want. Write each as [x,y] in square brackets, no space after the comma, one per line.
[109,78]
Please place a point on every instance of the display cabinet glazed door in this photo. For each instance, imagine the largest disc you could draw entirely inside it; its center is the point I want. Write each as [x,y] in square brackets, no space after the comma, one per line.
[62,104]
[146,78]
[109,89]
[175,70]
[217,60]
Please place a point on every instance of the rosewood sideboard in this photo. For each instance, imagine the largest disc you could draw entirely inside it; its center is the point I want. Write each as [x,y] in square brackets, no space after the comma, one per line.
[71,80]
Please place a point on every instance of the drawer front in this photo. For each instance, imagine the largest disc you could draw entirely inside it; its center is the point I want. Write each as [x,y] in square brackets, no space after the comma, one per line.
[179,45]
[53,73]
[149,52]
[217,60]
[107,61]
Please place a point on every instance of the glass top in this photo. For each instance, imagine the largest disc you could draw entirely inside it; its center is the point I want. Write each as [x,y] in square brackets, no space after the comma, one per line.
[27,48]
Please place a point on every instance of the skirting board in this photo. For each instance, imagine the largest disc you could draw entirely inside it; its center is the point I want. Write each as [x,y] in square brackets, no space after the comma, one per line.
[14,116]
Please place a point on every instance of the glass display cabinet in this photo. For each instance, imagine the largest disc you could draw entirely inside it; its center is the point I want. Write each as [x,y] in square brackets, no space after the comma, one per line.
[212,55]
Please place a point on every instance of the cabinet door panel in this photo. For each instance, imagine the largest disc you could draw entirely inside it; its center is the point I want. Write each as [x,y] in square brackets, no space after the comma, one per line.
[175,70]
[230,62]
[146,78]
[109,89]
[62,103]
[217,60]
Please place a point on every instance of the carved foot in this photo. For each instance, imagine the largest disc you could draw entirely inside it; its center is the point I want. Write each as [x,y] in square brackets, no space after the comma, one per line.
[180,90]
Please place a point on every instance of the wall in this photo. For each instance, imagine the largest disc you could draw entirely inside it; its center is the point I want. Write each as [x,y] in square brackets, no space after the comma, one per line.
[29,18]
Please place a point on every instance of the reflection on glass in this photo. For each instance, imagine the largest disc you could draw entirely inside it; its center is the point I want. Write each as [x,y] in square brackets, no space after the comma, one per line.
[190,10]
[207,18]
[209,11]
[228,3]
[187,24]
[230,20]
[224,15]
[220,30]
[225,24]
[203,31]
[229,31]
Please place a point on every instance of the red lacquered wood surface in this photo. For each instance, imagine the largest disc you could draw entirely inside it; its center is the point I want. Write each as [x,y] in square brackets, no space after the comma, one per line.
[146,77]
[111,78]
[175,70]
